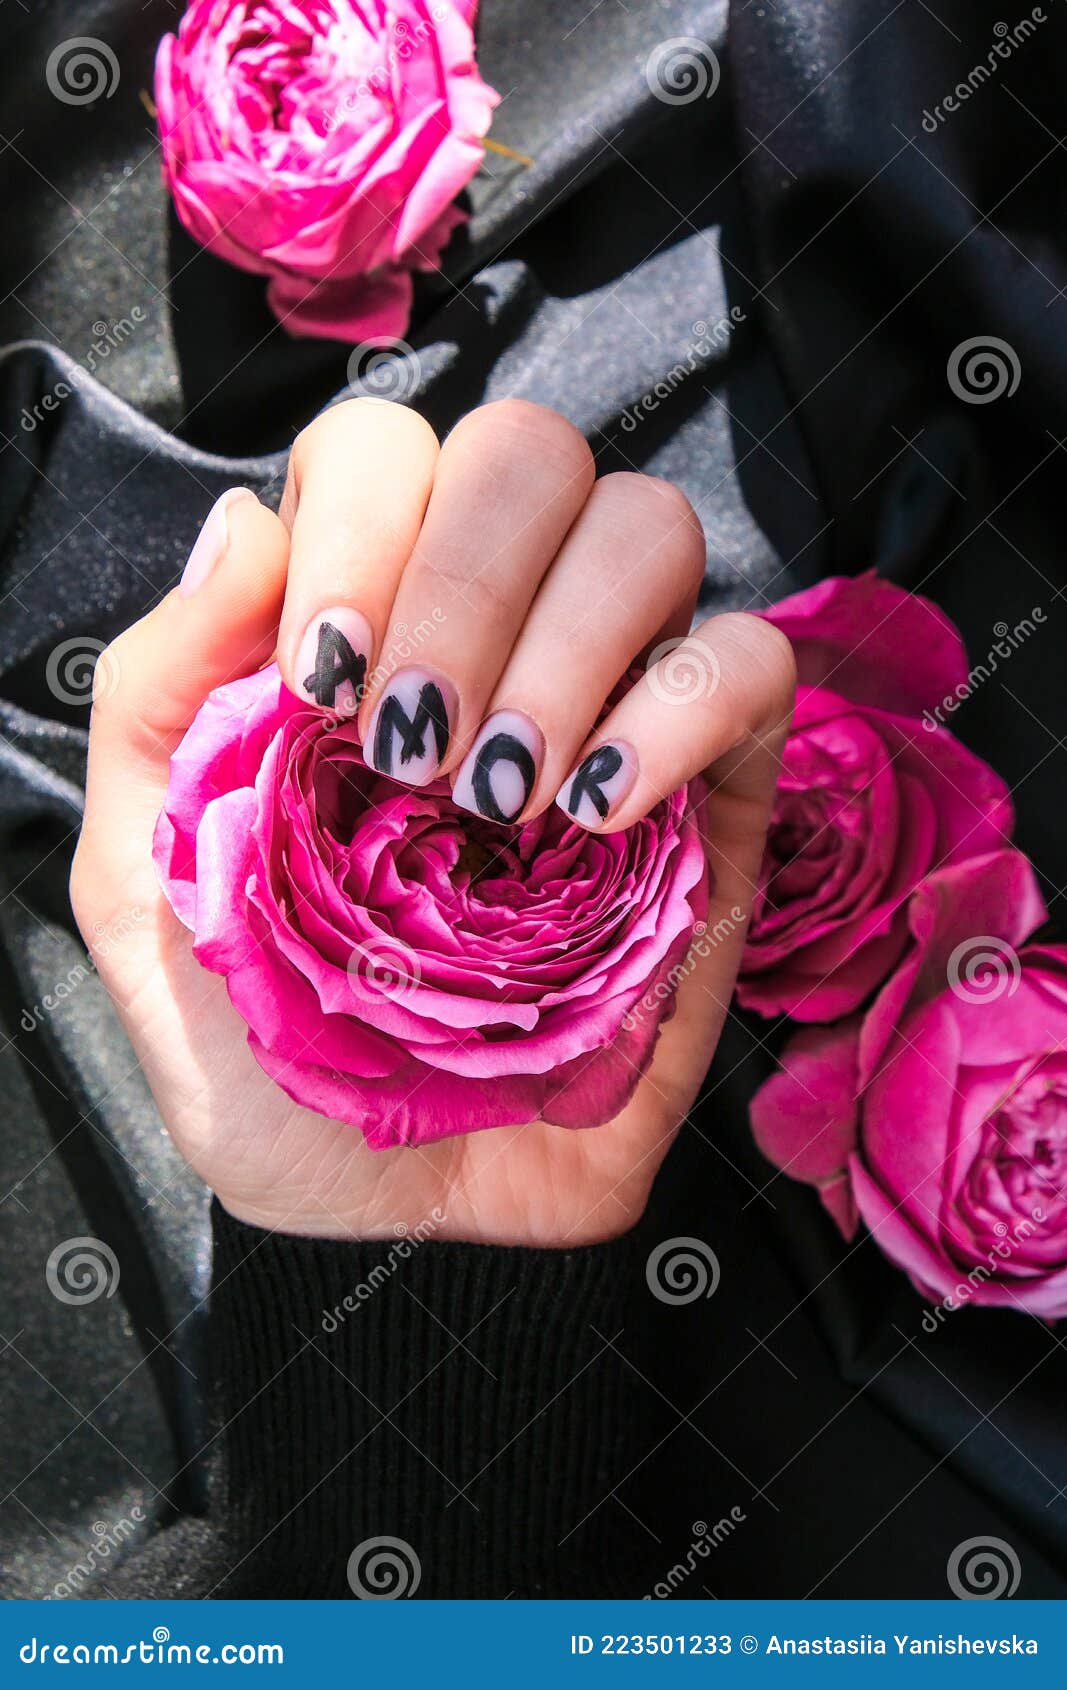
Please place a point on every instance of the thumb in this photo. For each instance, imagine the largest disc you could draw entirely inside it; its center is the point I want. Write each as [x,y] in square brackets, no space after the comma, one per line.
[219,624]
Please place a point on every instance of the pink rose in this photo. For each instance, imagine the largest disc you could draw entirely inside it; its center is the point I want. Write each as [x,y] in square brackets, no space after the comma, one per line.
[402,965]
[322,143]
[940,1117]
[870,800]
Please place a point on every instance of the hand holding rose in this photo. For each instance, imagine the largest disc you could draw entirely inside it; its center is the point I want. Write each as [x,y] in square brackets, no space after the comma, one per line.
[446,620]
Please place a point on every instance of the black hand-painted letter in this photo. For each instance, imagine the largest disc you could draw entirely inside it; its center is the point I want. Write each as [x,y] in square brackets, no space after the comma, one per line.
[596,770]
[393,719]
[335,663]
[502,747]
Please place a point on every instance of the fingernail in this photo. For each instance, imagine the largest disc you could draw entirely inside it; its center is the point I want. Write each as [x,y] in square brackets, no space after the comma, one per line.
[500,771]
[599,784]
[211,542]
[411,727]
[332,659]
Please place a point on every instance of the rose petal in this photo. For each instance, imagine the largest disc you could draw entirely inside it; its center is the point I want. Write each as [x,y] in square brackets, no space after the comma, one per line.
[805,1116]
[871,641]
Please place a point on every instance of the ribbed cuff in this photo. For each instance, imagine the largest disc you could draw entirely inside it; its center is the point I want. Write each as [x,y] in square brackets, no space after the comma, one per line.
[463,1400]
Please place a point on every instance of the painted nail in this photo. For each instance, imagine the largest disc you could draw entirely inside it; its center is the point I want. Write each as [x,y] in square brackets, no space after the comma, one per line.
[211,542]
[599,784]
[332,659]
[411,727]
[500,771]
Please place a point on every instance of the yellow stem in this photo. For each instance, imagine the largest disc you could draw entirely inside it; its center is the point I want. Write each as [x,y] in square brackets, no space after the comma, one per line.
[506,152]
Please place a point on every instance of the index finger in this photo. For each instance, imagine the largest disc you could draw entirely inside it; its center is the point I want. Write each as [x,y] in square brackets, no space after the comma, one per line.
[359,482]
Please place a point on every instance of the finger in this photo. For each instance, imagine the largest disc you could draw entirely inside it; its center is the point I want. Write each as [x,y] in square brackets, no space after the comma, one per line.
[730,683]
[629,568]
[219,624]
[733,820]
[510,481]
[359,479]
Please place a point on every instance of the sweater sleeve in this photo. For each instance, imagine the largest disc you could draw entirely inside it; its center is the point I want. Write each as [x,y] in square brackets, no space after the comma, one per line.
[445,1420]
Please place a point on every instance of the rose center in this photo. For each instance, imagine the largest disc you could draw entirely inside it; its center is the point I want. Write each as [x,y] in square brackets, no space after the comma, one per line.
[797,829]
[801,846]
[1029,1143]
[475,860]
[335,69]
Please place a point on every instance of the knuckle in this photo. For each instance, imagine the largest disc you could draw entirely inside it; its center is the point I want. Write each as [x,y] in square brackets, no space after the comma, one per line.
[351,420]
[772,647]
[311,436]
[520,432]
[128,696]
[766,650]
[650,493]
[649,511]
[671,501]
[450,576]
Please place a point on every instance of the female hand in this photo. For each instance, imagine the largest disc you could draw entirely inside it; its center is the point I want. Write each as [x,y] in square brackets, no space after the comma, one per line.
[535,586]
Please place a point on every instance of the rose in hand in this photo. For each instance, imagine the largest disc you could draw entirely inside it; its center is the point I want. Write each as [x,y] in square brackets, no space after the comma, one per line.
[406,967]
[457,616]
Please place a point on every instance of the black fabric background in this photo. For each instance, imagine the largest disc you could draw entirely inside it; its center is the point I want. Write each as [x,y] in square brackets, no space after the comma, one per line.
[861,250]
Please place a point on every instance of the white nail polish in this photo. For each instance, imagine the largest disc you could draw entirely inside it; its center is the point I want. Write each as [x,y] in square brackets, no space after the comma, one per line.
[597,787]
[500,771]
[332,659]
[411,727]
